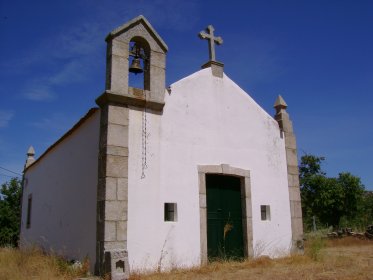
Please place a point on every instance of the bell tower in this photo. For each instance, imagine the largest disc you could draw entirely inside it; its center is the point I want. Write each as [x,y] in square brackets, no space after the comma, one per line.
[136,39]
[132,48]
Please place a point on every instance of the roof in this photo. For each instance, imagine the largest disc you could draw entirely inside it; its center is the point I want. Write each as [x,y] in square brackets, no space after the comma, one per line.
[67,134]
[123,28]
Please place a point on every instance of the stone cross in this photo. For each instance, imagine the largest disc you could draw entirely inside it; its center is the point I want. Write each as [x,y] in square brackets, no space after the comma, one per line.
[212,40]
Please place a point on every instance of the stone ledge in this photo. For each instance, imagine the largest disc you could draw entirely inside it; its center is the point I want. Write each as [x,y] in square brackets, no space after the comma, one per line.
[109,97]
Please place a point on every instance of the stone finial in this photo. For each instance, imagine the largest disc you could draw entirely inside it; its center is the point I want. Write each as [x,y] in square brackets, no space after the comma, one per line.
[31,151]
[30,157]
[280,104]
[281,116]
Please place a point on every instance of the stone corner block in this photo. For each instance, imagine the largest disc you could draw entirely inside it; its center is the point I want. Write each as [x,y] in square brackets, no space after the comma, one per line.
[122,189]
[122,231]
[117,166]
[116,210]
[110,231]
[117,265]
[117,135]
[107,189]
[118,115]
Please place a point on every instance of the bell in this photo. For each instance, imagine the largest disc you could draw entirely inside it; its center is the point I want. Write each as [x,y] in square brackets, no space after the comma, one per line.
[136,66]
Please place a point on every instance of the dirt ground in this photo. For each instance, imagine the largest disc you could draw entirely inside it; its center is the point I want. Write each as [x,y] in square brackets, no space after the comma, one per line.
[352,261]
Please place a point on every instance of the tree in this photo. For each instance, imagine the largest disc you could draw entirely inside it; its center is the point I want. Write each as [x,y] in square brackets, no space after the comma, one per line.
[328,199]
[10,212]
[353,191]
[365,211]
[312,178]
[310,165]
[367,207]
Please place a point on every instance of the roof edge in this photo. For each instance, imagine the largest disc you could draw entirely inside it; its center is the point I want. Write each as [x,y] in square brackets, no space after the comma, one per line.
[63,137]
[121,29]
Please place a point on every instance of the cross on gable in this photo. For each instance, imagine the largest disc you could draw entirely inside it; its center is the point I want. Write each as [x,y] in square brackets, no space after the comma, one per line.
[211,39]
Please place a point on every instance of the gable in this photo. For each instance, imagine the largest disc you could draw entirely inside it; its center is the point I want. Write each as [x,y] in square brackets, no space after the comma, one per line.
[217,106]
[138,25]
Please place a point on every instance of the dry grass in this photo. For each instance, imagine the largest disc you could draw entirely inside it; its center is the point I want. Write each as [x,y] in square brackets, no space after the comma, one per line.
[33,264]
[348,241]
[340,259]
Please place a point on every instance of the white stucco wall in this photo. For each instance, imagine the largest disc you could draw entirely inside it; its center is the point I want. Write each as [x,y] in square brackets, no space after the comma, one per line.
[206,121]
[63,186]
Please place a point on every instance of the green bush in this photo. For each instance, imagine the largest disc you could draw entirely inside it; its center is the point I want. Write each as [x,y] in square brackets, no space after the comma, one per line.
[10,212]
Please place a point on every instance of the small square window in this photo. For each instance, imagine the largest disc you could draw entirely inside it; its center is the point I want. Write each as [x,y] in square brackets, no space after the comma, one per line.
[170,212]
[265,212]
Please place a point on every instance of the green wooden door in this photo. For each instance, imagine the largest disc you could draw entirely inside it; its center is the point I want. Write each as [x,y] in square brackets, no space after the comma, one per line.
[224,217]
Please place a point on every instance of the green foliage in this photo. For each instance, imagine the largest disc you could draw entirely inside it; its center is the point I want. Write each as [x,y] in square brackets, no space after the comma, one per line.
[310,165]
[10,212]
[329,200]
[367,208]
[364,214]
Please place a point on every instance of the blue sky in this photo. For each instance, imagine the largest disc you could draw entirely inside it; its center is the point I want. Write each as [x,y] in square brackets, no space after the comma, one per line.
[316,54]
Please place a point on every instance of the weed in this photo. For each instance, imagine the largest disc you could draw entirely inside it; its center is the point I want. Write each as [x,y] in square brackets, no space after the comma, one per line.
[314,248]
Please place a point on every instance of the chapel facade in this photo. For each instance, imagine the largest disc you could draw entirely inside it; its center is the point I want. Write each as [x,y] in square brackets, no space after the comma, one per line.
[156,178]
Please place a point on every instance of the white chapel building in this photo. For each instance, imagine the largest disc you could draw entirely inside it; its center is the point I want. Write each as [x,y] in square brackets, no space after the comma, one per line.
[155,178]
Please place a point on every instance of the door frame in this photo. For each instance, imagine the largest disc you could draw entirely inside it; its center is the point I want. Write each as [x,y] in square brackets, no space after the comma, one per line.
[247,227]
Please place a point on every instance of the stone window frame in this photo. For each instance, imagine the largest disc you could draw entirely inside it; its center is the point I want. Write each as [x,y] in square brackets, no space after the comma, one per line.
[247,226]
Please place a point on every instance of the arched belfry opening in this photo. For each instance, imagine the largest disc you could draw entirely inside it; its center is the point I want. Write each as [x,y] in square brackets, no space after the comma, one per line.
[139,64]
[136,59]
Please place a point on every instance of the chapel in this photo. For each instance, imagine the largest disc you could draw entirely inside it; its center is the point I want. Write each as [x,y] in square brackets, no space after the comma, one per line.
[156,178]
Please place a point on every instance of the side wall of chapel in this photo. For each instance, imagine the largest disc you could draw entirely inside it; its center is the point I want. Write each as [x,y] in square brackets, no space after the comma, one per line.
[63,186]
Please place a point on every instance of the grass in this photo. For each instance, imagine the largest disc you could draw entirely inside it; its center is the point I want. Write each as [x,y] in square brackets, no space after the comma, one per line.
[33,264]
[341,259]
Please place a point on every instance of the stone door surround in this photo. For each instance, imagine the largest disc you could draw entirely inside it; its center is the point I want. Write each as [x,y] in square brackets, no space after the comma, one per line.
[244,175]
